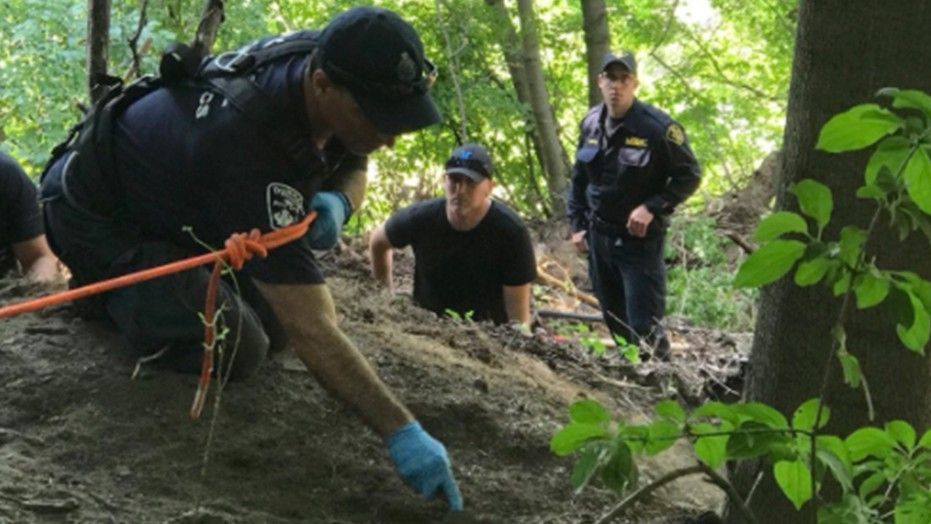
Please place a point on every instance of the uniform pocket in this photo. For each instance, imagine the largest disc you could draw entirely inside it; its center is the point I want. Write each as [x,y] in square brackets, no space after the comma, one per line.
[586,153]
[633,156]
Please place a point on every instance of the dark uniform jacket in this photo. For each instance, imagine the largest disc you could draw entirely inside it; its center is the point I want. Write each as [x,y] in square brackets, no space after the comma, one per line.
[647,160]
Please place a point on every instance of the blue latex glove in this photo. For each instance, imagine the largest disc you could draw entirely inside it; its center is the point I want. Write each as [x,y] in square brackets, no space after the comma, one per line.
[423,464]
[332,209]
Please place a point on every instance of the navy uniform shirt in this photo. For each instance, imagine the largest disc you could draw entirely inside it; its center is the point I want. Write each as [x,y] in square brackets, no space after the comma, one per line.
[19,211]
[186,158]
[645,160]
[464,271]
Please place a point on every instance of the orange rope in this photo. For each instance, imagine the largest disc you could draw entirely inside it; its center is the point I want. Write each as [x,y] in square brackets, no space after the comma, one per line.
[240,247]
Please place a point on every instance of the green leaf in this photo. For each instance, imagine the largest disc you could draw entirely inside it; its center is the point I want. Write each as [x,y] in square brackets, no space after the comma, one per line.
[719,410]
[851,244]
[915,336]
[710,450]
[804,416]
[574,436]
[842,284]
[856,128]
[795,481]
[671,410]
[915,511]
[744,445]
[778,224]
[810,272]
[925,441]
[588,411]
[769,263]
[871,290]
[832,452]
[815,200]
[663,434]
[871,484]
[762,413]
[869,441]
[908,98]
[585,467]
[870,192]
[902,432]
[851,367]
[618,471]
[918,179]
[891,154]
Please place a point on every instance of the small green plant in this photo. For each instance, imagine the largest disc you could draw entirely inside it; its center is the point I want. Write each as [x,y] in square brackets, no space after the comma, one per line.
[459,317]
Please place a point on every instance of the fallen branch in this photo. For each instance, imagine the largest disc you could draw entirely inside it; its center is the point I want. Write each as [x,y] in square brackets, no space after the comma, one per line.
[545,278]
[571,315]
[649,488]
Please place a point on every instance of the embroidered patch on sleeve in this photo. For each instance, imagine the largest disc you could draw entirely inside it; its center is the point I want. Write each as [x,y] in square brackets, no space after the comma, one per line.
[675,134]
[285,205]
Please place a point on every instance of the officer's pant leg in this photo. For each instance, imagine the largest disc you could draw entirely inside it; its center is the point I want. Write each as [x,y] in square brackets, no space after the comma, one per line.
[608,283]
[644,274]
[167,312]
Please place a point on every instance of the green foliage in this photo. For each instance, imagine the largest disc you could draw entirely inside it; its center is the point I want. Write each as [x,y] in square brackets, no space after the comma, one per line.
[698,279]
[872,465]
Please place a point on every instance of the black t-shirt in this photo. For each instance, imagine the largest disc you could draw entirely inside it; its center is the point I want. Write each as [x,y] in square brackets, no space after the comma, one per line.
[186,157]
[19,211]
[464,270]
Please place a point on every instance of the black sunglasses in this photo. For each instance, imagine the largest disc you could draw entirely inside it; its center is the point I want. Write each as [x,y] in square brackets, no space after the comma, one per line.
[468,163]
[384,89]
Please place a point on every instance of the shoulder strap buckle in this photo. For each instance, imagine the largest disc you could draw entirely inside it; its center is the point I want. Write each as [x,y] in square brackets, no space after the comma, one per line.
[234,62]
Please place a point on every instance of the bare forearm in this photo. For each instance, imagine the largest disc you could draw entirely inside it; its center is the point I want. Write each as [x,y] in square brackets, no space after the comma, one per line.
[309,318]
[382,257]
[517,303]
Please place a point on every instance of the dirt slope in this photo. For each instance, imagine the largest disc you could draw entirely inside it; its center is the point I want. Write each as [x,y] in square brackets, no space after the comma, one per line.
[82,442]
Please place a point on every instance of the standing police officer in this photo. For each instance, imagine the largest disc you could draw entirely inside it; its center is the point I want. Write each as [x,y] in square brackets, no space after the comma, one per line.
[249,139]
[633,166]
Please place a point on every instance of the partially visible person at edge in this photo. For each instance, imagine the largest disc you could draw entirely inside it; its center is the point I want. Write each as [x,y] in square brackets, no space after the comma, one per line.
[471,253]
[183,156]
[22,237]
[633,166]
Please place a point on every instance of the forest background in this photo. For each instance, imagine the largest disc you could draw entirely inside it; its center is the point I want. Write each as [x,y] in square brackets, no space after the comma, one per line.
[720,67]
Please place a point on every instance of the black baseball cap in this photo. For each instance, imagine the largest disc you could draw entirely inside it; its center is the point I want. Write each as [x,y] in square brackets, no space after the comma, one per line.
[379,57]
[624,58]
[471,160]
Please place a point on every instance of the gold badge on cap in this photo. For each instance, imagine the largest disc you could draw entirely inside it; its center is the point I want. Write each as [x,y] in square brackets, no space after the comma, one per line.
[675,134]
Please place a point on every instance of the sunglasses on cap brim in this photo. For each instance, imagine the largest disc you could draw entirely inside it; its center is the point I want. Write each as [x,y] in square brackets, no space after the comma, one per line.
[384,89]
[468,163]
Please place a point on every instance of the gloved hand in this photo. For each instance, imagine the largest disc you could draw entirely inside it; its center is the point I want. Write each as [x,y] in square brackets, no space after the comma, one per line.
[423,464]
[332,208]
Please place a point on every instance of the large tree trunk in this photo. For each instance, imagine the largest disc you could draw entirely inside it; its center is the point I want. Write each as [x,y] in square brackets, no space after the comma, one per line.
[555,162]
[98,35]
[597,44]
[844,52]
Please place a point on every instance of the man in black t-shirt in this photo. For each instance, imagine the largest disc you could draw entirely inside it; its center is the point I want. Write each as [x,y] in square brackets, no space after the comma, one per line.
[473,255]
[22,239]
[265,132]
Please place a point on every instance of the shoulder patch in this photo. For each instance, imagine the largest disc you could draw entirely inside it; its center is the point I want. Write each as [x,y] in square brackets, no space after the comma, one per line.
[675,134]
[284,203]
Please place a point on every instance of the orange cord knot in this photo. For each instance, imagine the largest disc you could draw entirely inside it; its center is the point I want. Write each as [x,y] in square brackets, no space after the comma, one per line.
[241,247]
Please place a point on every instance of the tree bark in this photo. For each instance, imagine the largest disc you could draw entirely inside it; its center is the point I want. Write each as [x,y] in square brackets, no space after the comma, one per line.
[208,27]
[555,161]
[845,52]
[597,44]
[98,35]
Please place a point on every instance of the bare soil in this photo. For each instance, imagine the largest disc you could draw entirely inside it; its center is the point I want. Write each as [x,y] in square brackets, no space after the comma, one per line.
[80,441]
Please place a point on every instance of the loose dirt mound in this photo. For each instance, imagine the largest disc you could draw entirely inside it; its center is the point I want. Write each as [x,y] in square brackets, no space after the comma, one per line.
[80,441]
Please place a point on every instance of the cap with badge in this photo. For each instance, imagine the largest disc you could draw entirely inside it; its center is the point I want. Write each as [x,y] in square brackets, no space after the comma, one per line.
[624,58]
[379,57]
[471,160]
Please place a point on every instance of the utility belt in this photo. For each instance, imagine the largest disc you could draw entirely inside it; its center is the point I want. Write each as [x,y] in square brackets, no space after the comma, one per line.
[614,229]
[88,179]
